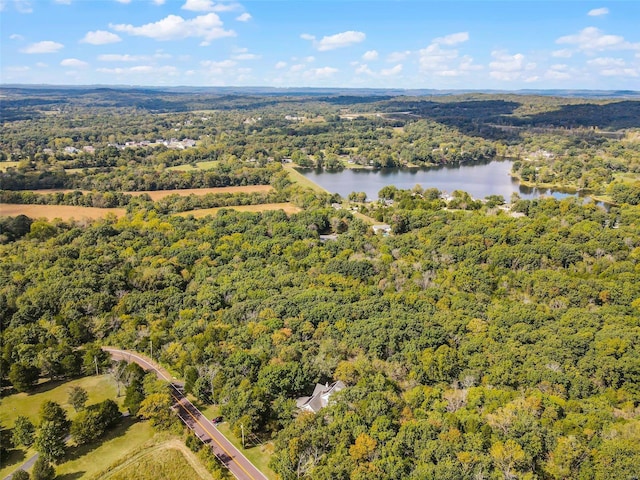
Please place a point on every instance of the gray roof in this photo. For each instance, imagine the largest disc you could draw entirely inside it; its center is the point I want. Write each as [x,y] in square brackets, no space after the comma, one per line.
[320,397]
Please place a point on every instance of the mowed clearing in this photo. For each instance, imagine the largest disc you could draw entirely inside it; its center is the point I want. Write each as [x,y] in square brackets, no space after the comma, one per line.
[64,212]
[288,208]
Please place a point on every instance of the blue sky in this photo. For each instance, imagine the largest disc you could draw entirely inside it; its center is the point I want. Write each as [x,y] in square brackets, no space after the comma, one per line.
[322,43]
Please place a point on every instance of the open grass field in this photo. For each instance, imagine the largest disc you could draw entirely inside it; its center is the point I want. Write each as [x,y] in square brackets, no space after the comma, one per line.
[65,212]
[300,179]
[170,460]
[99,388]
[288,208]
[199,166]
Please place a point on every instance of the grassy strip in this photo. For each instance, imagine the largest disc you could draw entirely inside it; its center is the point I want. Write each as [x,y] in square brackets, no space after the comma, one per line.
[259,455]
[190,168]
[5,165]
[288,208]
[297,177]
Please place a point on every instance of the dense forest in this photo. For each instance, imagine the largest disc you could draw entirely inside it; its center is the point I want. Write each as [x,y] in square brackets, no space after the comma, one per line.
[476,340]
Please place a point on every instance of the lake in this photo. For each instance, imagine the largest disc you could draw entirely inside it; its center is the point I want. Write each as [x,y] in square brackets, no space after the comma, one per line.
[479,179]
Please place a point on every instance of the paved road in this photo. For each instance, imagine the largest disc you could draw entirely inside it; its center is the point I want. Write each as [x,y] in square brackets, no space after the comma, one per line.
[206,431]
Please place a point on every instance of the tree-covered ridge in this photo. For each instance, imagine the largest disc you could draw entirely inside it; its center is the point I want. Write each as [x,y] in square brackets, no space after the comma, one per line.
[475,343]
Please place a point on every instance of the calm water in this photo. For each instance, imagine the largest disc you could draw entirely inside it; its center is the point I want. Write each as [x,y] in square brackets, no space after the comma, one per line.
[480,180]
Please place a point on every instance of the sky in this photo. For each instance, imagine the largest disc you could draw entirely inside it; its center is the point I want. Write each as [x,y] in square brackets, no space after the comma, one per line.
[504,45]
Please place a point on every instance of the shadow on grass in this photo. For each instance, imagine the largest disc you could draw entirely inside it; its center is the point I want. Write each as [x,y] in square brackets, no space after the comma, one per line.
[75,452]
[14,456]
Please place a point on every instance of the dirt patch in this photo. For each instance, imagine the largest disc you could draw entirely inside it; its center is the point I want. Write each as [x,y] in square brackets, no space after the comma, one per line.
[65,212]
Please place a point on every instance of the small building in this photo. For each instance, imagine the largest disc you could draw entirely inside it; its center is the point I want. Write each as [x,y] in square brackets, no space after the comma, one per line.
[382,228]
[320,397]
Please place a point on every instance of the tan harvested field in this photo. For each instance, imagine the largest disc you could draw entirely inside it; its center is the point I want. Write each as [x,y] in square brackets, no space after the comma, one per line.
[160,194]
[65,212]
[288,208]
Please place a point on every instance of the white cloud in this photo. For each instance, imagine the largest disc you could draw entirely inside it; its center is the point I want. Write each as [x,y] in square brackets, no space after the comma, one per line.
[592,39]
[439,58]
[18,69]
[218,64]
[246,56]
[564,53]
[280,65]
[613,67]
[16,36]
[370,55]
[141,70]
[558,72]
[100,37]
[596,12]
[395,57]
[116,57]
[63,2]
[244,17]
[453,39]
[46,46]
[508,67]
[391,71]
[74,63]
[123,1]
[21,6]
[339,40]
[208,6]
[208,27]
[158,2]
[363,69]
[323,72]
[297,67]
[41,65]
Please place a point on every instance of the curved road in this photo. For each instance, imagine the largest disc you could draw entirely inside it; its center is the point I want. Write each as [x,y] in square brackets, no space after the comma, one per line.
[206,431]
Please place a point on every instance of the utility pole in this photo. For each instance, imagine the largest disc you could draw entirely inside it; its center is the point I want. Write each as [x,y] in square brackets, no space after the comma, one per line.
[242,428]
[95,361]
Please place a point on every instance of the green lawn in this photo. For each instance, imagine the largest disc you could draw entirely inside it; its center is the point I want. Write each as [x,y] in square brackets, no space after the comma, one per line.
[99,388]
[300,179]
[199,166]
